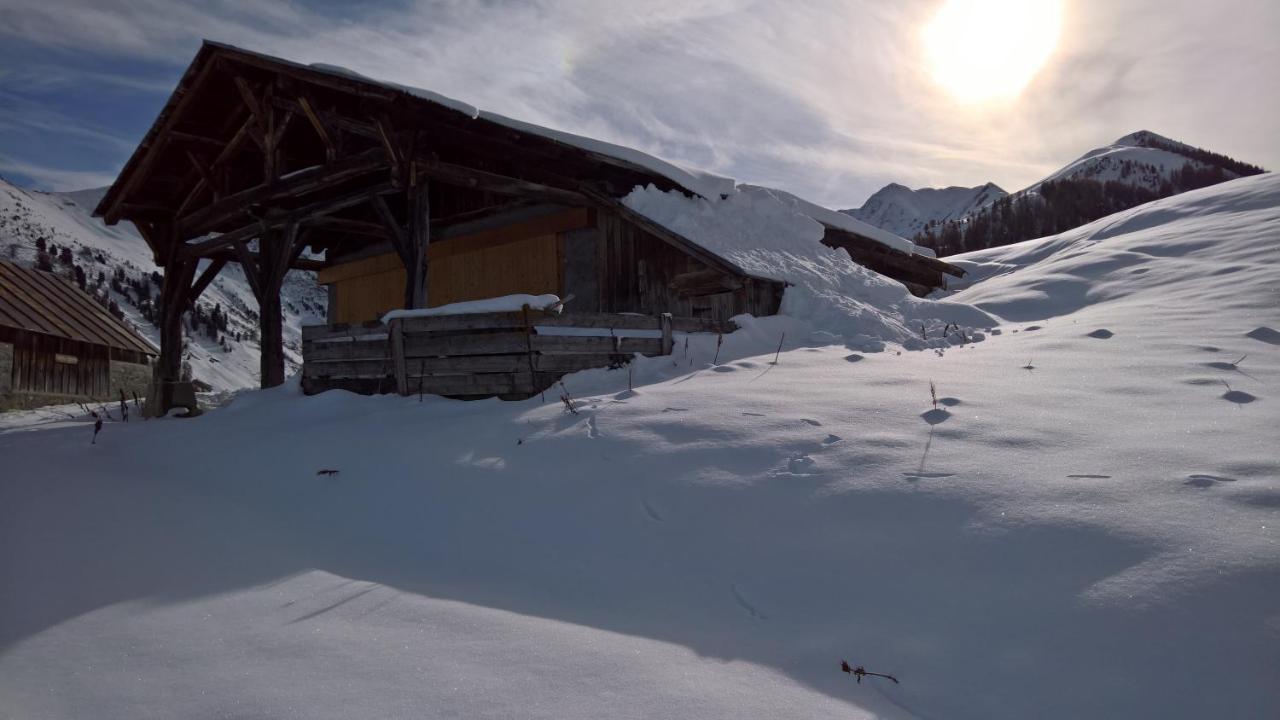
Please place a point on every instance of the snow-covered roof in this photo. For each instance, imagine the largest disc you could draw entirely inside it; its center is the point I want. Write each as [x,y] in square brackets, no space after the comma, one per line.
[701,182]
[706,184]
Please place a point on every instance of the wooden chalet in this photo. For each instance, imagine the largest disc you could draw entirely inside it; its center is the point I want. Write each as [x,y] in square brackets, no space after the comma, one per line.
[413,200]
[58,345]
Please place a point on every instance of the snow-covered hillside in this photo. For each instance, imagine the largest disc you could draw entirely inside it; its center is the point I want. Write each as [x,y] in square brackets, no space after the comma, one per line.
[1143,159]
[906,212]
[1135,169]
[1084,523]
[118,267]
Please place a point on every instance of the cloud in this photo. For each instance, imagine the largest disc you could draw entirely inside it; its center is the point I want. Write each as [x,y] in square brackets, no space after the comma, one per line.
[826,98]
[55,179]
[33,118]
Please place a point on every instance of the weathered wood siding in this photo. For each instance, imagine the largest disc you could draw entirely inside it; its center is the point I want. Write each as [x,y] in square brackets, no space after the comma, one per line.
[605,262]
[640,273]
[47,365]
[504,354]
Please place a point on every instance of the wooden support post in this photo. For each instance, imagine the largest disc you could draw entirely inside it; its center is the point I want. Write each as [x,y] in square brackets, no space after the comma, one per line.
[397,356]
[274,252]
[667,341]
[206,277]
[419,204]
[175,293]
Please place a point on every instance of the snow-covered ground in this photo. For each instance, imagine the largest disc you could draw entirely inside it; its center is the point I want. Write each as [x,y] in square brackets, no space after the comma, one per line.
[1085,526]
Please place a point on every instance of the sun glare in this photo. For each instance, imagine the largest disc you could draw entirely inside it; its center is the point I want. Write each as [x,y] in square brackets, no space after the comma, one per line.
[984,50]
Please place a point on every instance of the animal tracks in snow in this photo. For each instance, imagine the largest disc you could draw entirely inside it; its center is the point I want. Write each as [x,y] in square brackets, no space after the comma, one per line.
[922,475]
[1201,480]
[747,606]
[651,511]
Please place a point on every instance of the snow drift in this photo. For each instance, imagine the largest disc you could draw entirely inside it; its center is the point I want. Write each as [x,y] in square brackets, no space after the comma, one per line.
[774,234]
[1084,525]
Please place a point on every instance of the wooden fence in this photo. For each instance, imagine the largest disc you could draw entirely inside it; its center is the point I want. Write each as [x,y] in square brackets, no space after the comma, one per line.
[509,354]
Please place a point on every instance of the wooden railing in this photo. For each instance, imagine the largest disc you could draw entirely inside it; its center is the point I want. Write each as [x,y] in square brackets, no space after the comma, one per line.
[510,354]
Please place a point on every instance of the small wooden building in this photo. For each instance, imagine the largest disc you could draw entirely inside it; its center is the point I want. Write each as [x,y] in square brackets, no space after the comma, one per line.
[413,200]
[58,345]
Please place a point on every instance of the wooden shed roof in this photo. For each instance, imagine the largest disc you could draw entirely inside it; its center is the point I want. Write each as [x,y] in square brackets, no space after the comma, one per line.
[42,302]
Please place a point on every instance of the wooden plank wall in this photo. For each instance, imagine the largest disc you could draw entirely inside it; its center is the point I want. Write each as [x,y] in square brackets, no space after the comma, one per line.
[365,289]
[57,366]
[478,355]
[458,271]
[641,273]
[526,256]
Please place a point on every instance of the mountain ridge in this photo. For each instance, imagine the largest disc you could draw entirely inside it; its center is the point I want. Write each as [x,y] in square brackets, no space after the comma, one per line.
[1134,169]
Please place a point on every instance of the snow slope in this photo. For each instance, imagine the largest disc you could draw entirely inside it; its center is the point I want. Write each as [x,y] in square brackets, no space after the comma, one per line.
[66,220]
[1084,526]
[906,212]
[774,234]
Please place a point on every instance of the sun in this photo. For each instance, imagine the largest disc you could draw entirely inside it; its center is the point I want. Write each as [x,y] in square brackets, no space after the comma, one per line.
[988,50]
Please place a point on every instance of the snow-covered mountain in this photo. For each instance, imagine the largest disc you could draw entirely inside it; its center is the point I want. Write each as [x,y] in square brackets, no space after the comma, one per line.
[1135,169]
[117,267]
[906,212]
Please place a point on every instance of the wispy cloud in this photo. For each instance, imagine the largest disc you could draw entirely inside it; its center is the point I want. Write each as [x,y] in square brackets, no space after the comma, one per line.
[827,98]
[31,117]
[51,178]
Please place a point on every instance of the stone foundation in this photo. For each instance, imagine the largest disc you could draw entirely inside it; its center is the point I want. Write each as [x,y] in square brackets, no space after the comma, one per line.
[130,377]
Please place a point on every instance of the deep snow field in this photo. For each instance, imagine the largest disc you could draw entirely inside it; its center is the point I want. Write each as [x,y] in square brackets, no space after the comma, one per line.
[1086,527]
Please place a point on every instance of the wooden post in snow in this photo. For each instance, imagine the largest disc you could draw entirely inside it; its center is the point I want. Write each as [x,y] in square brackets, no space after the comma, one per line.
[419,236]
[397,356]
[667,340]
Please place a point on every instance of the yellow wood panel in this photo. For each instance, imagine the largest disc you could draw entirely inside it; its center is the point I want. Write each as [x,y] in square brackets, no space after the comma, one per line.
[356,268]
[524,257]
[369,297]
[529,266]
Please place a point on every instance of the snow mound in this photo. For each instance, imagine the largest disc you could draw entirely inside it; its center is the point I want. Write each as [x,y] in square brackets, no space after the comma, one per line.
[1199,248]
[773,234]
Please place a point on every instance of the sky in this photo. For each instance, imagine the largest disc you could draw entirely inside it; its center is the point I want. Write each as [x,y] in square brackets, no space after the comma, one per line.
[828,99]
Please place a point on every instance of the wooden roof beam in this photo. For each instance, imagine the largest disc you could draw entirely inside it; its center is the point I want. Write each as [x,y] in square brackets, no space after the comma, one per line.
[352,227]
[302,182]
[304,214]
[474,179]
[322,130]
[149,149]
